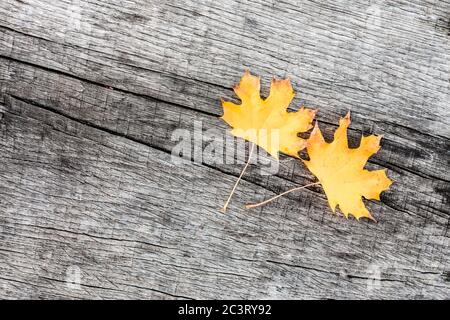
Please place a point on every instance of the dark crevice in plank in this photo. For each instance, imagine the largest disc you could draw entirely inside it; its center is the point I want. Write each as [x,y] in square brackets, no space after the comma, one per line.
[381,279]
[151,98]
[208,271]
[15,280]
[89,124]
[302,267]
[26,34]
[326,271]
[414,130]
[9,251]
[397,167]
[158,291]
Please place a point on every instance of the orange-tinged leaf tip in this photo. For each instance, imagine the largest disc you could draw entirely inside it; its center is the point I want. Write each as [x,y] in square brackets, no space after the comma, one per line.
[312,113]
[345,122]
[316,129]
[281,84]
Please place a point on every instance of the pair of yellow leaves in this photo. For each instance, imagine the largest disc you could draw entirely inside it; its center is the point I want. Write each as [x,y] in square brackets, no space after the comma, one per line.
[340,170]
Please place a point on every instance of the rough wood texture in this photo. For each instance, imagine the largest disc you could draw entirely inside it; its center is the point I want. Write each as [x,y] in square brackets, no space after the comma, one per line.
[91,91]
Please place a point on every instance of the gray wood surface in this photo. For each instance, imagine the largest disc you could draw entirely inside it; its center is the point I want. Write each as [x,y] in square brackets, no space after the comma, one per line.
[92,206]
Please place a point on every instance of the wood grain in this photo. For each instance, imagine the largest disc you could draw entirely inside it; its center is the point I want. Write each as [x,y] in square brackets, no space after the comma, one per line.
[91,92]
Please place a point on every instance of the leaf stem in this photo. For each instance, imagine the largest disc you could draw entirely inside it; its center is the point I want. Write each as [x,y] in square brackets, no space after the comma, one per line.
[224,208]
[248,206]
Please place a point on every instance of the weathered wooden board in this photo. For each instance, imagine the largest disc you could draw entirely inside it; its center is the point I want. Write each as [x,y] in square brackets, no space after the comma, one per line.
[91,92]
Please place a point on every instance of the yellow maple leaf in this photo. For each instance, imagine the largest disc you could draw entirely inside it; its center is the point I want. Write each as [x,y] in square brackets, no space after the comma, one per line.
[341,171]
[266,122]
